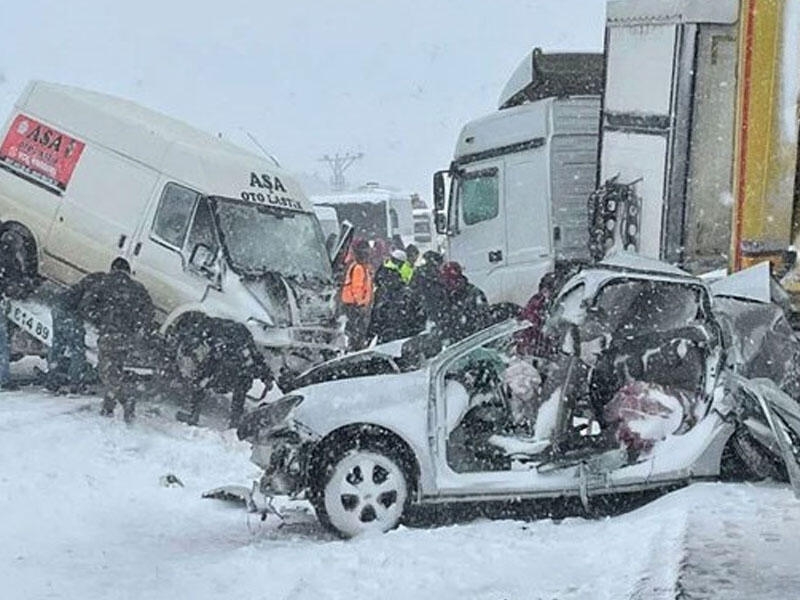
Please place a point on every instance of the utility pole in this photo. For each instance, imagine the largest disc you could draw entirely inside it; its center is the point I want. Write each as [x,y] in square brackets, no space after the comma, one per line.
[339,164]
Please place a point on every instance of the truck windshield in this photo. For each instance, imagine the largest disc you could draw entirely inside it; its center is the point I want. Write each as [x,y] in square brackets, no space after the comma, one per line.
[260,239]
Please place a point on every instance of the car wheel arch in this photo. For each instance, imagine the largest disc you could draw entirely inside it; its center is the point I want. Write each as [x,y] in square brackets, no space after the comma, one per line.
[359,434]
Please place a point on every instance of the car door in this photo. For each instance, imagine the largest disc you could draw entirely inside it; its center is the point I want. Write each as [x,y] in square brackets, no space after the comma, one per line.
[477,451]
[479,243]
[161,257]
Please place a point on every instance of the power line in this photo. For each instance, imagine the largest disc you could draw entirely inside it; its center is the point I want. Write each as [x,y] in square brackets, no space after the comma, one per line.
[339,164]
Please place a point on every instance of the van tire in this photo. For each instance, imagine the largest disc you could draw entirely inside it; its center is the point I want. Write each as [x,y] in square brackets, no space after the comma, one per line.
[19,241]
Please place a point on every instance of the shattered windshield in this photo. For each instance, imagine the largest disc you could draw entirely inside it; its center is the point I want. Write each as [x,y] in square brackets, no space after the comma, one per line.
[648,306]
[261,239]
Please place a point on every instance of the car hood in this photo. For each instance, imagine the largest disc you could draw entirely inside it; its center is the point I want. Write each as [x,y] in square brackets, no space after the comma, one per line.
[398,402]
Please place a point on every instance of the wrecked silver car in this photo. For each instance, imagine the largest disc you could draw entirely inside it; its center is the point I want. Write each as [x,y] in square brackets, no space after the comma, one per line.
[646,385]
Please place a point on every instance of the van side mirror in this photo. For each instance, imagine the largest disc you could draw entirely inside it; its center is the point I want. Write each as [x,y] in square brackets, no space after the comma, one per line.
[201,257]
[346,233]
[438,190]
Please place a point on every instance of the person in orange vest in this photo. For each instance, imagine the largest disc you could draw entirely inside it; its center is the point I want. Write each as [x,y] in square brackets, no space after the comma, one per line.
[357,294]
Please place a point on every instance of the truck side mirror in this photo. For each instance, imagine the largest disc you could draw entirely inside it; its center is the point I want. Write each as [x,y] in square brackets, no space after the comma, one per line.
[438,190]
[440,222]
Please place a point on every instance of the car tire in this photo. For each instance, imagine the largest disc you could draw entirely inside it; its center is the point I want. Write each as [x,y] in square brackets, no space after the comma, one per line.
[18,241]
[758,462]
[364,487]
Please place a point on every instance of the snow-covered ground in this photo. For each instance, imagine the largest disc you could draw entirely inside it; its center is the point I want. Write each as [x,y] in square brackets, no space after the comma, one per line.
[84,515]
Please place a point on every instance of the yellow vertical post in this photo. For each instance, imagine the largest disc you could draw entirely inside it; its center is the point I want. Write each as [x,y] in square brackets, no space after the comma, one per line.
[766,132]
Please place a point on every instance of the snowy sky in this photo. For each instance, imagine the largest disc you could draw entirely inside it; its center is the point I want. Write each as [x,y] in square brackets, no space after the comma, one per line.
[393,79]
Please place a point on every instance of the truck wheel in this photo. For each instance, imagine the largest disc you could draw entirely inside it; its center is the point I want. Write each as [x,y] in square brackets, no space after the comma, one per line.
[362,488]
[18,243]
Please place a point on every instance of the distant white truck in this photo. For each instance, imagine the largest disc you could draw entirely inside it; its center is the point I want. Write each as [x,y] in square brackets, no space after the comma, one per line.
[521,177]
[374,212]
[88,180]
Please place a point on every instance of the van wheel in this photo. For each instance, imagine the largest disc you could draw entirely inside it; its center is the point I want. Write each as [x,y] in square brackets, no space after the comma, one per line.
[17,242]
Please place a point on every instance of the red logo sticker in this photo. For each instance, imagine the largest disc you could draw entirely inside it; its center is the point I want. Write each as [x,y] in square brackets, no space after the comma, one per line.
[41,152]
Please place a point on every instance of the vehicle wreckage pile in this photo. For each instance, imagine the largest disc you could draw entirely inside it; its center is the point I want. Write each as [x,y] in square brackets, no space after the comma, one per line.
[645,378]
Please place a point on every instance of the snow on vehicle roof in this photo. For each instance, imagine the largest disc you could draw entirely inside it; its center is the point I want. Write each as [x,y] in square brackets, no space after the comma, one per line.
[371,196]
[214,165]
[102,115]
[629,261]
[672,11]
[514,125]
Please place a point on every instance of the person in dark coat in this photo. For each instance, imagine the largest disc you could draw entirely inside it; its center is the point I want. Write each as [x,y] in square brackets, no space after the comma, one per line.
[530,340]
[66,361]
[392,316]
[467,308]
[8,274]
[123,313]
[428,292]
[218,355]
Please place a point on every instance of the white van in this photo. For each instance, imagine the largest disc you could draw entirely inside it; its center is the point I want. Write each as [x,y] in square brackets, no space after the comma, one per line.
[87,180]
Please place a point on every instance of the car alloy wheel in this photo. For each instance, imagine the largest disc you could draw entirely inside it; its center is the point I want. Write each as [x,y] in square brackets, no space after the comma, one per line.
[366,491]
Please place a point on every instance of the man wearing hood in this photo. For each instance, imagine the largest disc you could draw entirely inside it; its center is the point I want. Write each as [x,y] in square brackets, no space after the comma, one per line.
[466,304]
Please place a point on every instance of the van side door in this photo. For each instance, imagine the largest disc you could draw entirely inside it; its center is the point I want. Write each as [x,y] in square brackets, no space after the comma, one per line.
[178,221]
[98,215]
[479,243]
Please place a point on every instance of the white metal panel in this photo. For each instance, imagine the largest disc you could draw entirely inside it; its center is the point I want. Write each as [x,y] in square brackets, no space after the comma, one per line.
[504,128]
[527,207]
[633,157]
[631,88]
[573,169]
[709,190]
[676,11]
[100,212]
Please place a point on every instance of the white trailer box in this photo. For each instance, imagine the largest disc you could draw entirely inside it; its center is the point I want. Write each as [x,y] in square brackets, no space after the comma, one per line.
[374,212]
[87,179]
[668,123]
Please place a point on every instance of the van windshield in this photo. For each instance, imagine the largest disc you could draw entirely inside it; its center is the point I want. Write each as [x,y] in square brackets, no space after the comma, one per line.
[261,239]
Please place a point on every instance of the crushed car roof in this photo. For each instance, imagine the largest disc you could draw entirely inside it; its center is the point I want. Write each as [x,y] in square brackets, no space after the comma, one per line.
[628,261]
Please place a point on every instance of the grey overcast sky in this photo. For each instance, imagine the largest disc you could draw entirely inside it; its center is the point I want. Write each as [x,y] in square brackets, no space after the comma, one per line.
[392,79]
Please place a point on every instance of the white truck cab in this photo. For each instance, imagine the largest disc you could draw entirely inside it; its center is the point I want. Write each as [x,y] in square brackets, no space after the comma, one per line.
[87,179]
[521,178]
